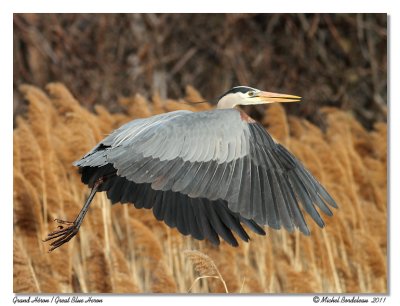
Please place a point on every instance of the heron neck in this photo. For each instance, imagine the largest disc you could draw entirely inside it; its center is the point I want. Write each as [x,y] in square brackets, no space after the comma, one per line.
[229,101]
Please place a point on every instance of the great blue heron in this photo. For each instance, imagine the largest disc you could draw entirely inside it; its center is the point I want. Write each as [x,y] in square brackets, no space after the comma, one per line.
[205,173]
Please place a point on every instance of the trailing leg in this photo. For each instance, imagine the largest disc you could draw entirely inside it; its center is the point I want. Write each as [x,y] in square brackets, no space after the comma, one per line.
[66,234]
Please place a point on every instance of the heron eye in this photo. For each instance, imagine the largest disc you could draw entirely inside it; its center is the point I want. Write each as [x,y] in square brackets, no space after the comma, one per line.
[251,93]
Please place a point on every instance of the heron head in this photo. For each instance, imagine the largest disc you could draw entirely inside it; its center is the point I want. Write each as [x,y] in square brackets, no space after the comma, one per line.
[243,95]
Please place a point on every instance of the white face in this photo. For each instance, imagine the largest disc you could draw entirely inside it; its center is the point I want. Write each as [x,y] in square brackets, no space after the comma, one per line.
[239,98]
[242,95]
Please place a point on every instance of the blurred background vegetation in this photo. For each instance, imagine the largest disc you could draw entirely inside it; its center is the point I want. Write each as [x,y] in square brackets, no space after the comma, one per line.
[329,59]
[103,60]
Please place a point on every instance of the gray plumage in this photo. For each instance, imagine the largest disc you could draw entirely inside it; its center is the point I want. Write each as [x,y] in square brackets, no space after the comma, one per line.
[205,173]
[196,160]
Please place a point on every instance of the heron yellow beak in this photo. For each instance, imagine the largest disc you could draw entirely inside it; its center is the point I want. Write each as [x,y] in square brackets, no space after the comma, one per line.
[271,97]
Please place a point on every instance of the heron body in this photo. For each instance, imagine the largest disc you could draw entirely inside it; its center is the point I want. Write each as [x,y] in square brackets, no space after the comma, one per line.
[205,173]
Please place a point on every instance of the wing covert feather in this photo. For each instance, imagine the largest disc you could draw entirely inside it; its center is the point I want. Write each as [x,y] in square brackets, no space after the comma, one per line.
[213,155]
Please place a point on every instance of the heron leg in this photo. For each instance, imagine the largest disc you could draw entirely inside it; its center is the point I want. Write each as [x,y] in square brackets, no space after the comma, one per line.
[66,234]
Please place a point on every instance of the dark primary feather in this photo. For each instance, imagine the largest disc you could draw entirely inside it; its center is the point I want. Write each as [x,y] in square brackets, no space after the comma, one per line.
[291,183]
[207,174]
[199,217]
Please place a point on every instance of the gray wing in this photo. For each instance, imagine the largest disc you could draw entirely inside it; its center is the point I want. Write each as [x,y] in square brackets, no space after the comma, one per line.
[215,155]
[180,150]
[217,135]
[279,185]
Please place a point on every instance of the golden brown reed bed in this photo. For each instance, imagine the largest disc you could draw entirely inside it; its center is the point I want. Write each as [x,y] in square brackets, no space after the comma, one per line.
[121,249]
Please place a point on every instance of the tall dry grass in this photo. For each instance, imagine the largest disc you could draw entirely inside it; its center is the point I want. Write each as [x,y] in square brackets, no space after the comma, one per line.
[121,249]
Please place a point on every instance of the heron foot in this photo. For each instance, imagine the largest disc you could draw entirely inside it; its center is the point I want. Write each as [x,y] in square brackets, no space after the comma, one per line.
[63,234]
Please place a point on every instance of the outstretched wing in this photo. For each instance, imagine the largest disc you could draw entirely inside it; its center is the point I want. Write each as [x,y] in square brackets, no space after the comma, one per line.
[217,156]
[279,184]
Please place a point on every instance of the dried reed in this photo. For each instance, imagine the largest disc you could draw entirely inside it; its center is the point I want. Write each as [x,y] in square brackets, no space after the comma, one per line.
[121,249]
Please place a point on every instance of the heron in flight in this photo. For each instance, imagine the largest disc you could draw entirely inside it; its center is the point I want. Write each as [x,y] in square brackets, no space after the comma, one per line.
[206,173]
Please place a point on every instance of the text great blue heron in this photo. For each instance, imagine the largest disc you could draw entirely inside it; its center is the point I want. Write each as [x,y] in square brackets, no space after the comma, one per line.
[205,173]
